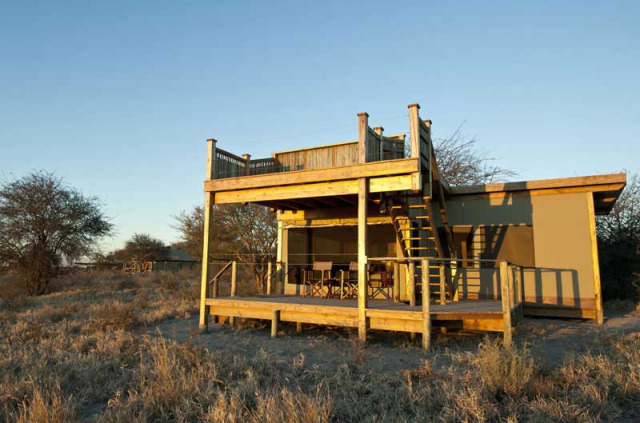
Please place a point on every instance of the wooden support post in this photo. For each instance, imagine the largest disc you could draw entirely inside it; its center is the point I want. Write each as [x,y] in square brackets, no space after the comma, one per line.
[363,136]
[412,283]
[234,284]
[506,303]
[597,289]
[521,291]
[269,278]
[298,327]
[396,282]
[362,259]
[414,130]
[281,257]
[247,164]
[363,194]
[234,287]
[214,292]
[426,307]
[512,296]
[443,289]
[275,320]
[207,235]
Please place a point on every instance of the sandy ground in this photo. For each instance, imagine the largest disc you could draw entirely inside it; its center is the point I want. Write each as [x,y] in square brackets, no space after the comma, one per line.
[550,341]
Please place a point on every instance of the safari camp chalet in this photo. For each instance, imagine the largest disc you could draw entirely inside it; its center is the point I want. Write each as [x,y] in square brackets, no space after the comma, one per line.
[371,236]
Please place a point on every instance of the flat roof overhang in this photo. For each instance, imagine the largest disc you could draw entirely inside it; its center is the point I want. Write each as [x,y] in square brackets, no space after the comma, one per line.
[328,187]
[605,188]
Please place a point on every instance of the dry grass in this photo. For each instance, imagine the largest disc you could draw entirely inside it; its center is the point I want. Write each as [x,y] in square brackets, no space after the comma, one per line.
[80,354]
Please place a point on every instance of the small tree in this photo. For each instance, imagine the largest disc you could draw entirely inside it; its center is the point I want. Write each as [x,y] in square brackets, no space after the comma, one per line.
[461,162]
[254,229]
[246,233]
[142,247]
[619,244]
[191,228]
[44,223]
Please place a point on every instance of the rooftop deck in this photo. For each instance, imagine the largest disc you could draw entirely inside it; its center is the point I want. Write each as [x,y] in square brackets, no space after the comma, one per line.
[296,179]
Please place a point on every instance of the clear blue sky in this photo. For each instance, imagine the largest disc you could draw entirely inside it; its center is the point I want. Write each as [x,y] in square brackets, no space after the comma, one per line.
[118,97]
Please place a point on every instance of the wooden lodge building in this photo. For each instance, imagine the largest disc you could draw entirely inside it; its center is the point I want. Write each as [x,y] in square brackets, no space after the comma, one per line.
[359,222]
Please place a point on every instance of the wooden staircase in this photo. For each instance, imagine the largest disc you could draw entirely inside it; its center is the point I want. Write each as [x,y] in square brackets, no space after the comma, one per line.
[418,236]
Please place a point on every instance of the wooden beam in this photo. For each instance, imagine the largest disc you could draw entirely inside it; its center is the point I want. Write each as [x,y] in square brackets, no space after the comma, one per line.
[310,203]
[345,199]
[362,259]
[207,235]
[321,189]
[506,303]
[595,182]
[597,289]
[283,205]
[329,201]
[426,307]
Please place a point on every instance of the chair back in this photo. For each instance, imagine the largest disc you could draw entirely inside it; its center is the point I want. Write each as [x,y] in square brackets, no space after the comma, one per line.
[353,266]
[322,265]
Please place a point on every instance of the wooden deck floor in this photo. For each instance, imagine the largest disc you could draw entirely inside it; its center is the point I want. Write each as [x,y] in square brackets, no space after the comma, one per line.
[384,315]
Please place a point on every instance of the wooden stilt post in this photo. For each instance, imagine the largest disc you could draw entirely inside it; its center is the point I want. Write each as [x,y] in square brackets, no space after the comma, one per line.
[234,287]
[298,327]
[443,284]
[506,303]
[363,193]
[275,320]
[426,307]
[208,202]
[269,277]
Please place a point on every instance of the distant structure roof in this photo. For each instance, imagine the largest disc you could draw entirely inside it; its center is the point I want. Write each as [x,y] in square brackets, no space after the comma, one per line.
[177,254]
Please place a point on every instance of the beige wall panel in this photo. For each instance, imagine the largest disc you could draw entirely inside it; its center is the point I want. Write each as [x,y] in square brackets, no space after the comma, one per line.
[564,270]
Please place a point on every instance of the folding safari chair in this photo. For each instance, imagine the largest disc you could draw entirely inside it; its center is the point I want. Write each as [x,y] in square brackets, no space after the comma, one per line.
[316,278]
[349,281]
[382,285]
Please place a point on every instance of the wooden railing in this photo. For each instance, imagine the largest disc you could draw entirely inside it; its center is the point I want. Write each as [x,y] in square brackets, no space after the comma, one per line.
[334,155]
[228,165]
[445,274]
[378,147]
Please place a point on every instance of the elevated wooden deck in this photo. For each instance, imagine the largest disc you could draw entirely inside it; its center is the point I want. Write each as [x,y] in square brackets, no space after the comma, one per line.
[485,315]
